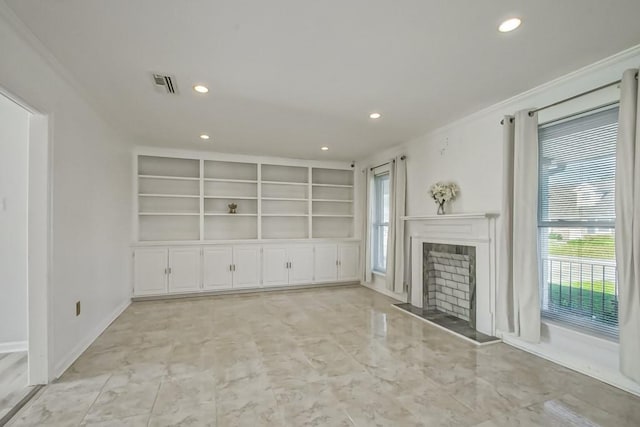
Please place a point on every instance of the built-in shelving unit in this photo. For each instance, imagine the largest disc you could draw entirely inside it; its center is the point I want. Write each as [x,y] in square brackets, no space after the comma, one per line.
[284,202]
[332,203]
[186,199]
[168,198]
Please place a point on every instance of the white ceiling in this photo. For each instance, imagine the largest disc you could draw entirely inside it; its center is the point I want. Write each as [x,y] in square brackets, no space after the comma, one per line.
[288,76]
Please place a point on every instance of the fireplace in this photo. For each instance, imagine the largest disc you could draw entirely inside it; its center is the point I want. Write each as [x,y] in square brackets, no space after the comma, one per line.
[450,280]
[453,268]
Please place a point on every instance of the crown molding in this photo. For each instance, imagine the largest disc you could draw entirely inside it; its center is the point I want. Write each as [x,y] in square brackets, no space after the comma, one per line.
[496,108]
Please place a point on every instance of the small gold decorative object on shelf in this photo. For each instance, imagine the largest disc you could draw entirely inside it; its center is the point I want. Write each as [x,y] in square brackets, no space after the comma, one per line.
[233,208]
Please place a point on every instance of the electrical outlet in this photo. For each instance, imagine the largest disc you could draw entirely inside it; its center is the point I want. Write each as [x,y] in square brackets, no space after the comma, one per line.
[78,308]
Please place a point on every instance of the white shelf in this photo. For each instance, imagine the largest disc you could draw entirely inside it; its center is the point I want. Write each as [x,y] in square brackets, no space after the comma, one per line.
[186,196]
[177,178]
[168,214]
[185,199]
[285,183]
[333,185]
[283,214]
[227,214]
[243,181]
[286,199]
[232,197]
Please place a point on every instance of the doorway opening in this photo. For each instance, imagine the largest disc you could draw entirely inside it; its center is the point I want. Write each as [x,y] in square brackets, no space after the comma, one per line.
[24,251]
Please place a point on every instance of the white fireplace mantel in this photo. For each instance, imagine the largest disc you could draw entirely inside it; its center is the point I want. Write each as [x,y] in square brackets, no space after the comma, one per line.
[466,229]
[450,216]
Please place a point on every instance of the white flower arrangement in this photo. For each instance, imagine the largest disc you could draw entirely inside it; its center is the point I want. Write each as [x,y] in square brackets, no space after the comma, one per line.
[442,193]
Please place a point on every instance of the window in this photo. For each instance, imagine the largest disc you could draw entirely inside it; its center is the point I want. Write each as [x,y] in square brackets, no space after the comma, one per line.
[576,221]
[380,221]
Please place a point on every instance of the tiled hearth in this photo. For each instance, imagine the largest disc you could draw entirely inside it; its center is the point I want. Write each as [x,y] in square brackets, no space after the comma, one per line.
[450,323]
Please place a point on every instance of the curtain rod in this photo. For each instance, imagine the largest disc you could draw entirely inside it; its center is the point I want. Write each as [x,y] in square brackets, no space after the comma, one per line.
[588,110]
[403,157]
[571,98]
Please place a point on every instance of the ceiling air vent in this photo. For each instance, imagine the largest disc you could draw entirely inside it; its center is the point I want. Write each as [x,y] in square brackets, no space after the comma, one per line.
[165,82]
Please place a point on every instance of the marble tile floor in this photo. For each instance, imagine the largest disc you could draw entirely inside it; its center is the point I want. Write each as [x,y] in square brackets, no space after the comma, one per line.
[13,380]
[339,356]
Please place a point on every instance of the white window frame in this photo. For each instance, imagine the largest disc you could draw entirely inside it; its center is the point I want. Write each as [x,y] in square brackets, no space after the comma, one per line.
[567,318]
[377,226]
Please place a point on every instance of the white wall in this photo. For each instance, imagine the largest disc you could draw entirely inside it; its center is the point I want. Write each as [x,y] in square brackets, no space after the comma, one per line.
[469,152]
[14,148]
[91,203]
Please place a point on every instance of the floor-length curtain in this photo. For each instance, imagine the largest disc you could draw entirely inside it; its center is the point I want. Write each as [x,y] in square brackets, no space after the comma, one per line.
[390,271]
[628,225]
[366,224]
[518,290]
[504,295]
[395,238]
[400,191]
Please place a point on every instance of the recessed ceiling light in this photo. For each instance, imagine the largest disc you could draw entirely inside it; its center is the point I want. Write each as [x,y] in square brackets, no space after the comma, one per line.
[375,115]
[201,89]
[509,25]
[324,148]
[204,136]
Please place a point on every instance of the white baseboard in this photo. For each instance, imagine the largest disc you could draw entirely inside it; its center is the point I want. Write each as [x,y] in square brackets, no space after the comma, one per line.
[71,357]
[239,291]
[14,346]
[387,292]
[578,364]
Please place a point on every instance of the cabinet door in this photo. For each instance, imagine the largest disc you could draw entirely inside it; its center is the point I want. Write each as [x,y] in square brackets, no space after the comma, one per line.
[348,262]
[184,269]
[246,261]
[300,264]
[275,271]
[150,271]
[217,266]
[326,263]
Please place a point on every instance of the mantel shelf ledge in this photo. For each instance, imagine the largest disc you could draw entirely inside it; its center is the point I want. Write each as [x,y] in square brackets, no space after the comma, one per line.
[481,215]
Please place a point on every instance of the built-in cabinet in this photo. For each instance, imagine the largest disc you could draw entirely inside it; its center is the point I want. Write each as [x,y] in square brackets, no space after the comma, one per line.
[187,269]
[293,222]
[217,267]
[284,265]
[227,267]
[336,262]
[183,270]
[150,272]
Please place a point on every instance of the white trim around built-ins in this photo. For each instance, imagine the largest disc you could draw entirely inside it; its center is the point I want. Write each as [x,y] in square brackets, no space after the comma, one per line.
[13,347]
